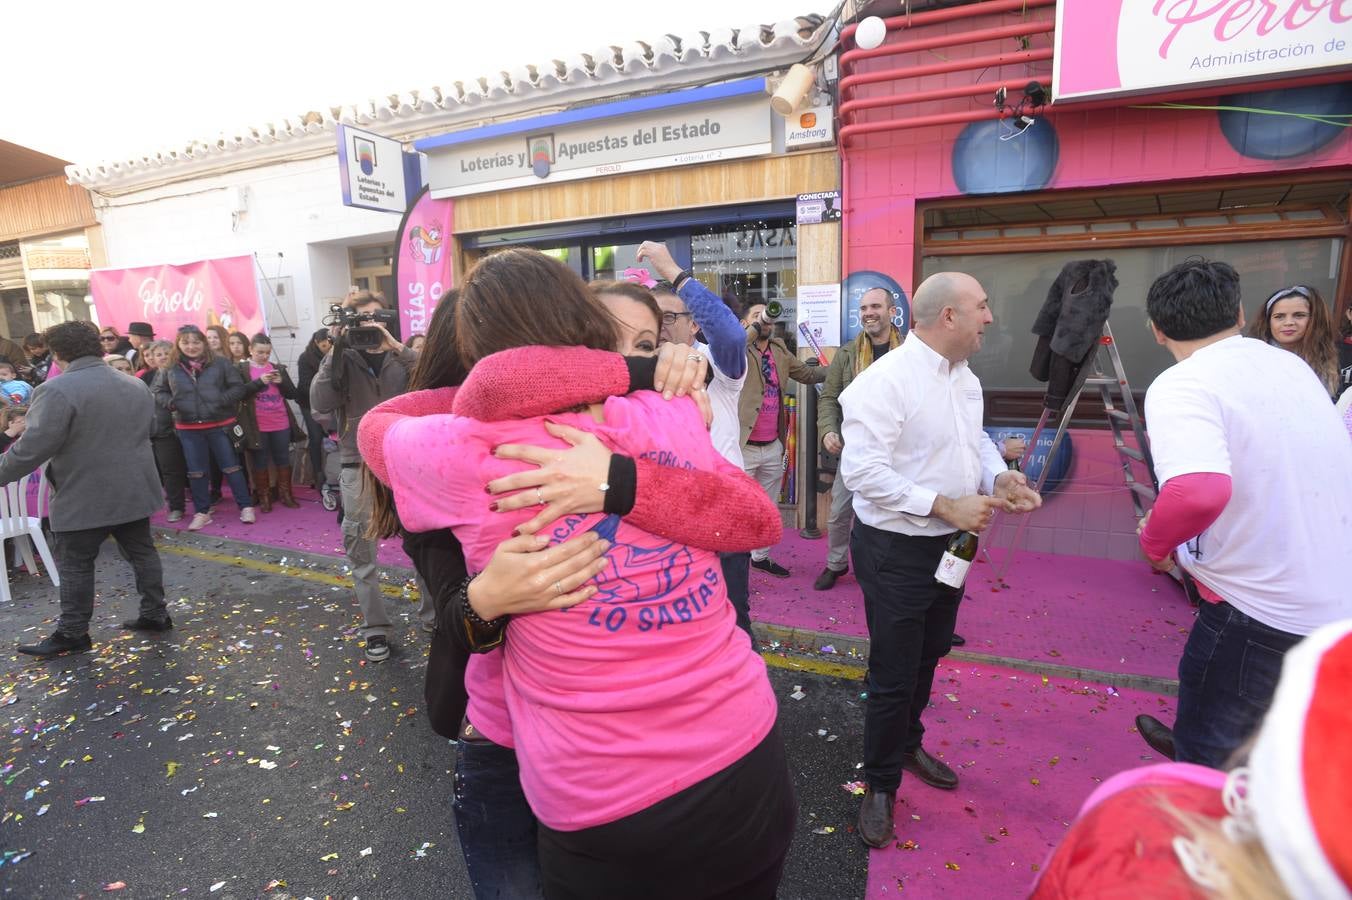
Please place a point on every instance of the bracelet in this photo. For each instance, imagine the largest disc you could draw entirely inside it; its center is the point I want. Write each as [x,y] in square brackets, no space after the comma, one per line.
[468,610]
[681,278]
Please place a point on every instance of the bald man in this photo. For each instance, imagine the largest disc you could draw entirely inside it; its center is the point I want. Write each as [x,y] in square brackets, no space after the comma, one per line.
[921,468]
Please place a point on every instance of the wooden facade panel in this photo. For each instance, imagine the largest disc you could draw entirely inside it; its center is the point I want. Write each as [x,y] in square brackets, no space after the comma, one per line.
[819,253]
[715,184]
[45,206]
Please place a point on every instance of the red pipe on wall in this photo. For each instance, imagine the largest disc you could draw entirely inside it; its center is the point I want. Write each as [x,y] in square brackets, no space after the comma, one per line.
[933,16]
[965,90]
[952,40]
[952,65]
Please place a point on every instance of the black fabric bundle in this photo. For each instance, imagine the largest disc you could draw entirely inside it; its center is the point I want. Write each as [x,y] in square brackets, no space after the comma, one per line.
[1069,326]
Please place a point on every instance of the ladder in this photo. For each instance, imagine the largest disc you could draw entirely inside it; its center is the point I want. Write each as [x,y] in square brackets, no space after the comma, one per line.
[1103,371]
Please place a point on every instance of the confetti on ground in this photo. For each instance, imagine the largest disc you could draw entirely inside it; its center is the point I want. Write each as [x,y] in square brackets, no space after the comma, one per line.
[857,788]
[367,852]
[824,829]
[797,693]
[115,886]
[217,886]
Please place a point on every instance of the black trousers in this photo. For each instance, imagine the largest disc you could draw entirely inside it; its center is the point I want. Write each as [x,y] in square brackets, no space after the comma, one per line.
[737,577]
[910,628]
[723,838]
[75,554]
[173,469]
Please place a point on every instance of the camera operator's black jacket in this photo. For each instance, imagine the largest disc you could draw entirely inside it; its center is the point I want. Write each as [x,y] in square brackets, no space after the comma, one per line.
[352,391]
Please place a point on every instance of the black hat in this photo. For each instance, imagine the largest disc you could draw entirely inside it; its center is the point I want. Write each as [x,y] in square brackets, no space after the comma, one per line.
[141,329]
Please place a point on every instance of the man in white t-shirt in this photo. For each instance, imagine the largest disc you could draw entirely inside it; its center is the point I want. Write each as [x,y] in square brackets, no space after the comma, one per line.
[693,314]
[1255,473]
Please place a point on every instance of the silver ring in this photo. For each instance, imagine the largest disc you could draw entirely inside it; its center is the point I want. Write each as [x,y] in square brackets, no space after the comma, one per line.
[539,497]
[558,589]
[694,356]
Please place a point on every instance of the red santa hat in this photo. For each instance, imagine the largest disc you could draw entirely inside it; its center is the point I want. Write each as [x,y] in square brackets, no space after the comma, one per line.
[1300,771]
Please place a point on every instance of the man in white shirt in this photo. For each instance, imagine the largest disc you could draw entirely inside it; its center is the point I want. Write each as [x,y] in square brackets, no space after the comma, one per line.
[921,468]
[693,314]
[1255,502]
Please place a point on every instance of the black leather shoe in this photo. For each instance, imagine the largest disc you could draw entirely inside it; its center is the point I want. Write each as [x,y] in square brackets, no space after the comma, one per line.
[929,770]
[141,623]
[1159,736]
[56,645]
[770,567]
[958,640]
[827,579]
[875,817]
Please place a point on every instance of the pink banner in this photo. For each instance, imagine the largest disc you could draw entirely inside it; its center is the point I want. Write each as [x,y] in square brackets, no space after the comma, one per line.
[422,268]
[208,292]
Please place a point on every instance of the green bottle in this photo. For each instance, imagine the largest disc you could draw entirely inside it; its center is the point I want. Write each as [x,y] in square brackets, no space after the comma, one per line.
[957,559]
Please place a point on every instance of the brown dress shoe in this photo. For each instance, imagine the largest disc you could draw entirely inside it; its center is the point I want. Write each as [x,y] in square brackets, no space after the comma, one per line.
[929,770]
[875,817]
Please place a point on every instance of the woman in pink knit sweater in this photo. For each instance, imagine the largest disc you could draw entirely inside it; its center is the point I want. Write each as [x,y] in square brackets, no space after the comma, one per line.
[642,712]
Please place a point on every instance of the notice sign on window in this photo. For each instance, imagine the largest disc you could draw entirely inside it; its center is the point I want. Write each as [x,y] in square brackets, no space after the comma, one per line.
[823,206]
[1107,48]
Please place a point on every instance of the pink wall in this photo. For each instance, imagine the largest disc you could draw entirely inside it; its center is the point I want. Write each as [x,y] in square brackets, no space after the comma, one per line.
[886,173]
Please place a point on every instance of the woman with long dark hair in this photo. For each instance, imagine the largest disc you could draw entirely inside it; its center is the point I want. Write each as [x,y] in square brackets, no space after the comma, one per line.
[203,392]
[651,658]
[321,342]
[1296,318]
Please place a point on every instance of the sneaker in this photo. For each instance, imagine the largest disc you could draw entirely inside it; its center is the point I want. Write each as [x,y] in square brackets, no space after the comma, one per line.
[377,648]
[141,623]
[246,515]
[175,515]
[770,567]
[199,521]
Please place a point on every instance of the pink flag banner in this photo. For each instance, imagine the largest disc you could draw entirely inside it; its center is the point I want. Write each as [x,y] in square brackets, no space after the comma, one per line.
[207,292]
[422,267]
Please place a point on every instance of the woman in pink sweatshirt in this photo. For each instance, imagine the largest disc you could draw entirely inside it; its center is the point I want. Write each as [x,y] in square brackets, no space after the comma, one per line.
[642,713]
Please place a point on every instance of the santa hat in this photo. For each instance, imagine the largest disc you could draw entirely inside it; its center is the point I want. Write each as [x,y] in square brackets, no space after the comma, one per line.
[1300,771]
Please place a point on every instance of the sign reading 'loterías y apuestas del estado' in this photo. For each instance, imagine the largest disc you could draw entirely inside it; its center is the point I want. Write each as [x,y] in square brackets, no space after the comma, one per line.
[572,146]
[1108,48]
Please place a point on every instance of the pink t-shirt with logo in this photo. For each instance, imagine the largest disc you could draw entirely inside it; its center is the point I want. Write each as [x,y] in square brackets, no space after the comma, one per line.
[633,695]
[269,404]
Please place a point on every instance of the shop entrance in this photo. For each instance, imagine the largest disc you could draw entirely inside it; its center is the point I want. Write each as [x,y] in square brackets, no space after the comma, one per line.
[743,255]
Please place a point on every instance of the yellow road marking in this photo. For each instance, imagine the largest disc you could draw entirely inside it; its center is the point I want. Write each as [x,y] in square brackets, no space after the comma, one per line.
[812,666]
[259,565]
[792,663]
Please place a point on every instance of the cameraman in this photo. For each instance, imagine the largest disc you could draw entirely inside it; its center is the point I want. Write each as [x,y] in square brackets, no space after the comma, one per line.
[348,385]
[761,409]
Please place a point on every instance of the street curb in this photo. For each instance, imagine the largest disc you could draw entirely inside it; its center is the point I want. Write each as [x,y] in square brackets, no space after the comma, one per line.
[849,650]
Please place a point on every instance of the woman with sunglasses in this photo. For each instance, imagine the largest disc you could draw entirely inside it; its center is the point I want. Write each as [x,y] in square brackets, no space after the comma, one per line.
[203,391]
[113,343]
[1296,318]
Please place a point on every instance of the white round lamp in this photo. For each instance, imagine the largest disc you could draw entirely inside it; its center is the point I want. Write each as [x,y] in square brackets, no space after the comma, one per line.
[870,33]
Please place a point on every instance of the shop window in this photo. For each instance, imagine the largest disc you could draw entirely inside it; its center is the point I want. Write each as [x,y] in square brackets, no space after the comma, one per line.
[750,262]
[1017,284]
[58,275]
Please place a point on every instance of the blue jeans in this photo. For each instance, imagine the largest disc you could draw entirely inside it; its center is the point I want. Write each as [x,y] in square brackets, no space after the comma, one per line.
[1226,679]
[200,447]
[496,827]
[274,449]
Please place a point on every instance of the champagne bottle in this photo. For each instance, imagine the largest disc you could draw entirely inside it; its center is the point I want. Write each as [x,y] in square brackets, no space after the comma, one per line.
[1013,465]
[957,559]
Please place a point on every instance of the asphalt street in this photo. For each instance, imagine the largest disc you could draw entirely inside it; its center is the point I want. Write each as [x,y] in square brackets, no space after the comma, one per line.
[252,751]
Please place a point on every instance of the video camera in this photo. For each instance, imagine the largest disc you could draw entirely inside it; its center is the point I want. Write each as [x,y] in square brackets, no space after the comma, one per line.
[359,332]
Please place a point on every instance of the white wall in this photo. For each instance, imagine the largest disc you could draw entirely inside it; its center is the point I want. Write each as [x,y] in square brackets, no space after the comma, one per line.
[293,208]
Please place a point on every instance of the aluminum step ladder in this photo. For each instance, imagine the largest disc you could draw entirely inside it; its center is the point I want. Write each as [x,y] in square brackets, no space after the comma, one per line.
[1104,372]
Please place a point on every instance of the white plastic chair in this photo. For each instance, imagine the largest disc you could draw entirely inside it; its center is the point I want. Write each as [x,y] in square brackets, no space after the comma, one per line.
[26,530]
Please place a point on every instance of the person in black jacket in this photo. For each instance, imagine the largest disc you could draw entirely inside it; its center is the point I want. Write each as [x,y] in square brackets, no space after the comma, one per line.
[203,392]
[168,451]
[315,351]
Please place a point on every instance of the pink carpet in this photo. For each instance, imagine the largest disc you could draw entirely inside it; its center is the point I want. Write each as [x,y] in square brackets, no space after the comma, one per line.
[1028,750]
[1078,611]
[1098,614]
